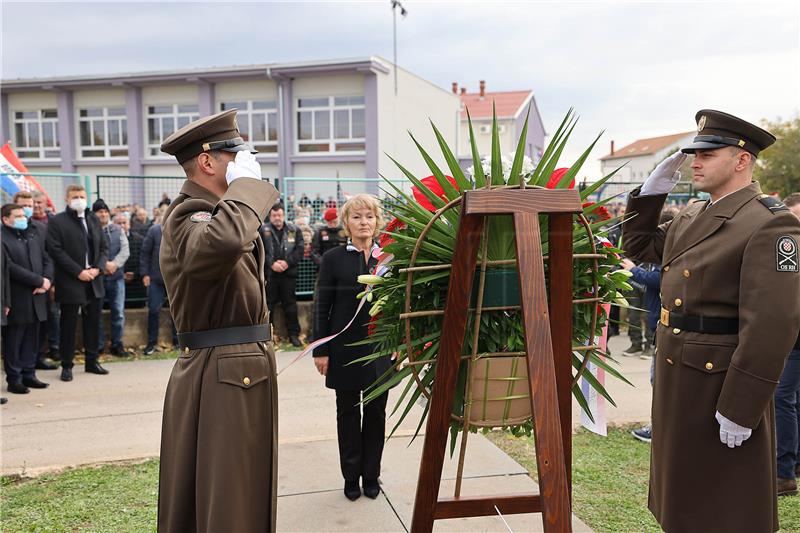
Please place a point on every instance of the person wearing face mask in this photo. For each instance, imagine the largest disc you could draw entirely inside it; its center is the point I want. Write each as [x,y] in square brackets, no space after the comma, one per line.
[37,230]
[30,272]
[79,250]
[219,442]
[360,436]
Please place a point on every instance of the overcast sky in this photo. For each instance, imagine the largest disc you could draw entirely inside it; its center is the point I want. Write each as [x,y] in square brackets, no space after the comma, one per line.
[633,69]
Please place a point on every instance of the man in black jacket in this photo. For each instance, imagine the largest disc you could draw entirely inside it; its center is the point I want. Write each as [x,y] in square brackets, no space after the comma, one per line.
[79,251]
[30,272]
[283,243]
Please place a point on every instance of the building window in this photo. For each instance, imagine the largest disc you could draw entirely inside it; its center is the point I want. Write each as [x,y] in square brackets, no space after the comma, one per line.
[332,124]
[163,120]
[36,134]
[258,123]
[103,132]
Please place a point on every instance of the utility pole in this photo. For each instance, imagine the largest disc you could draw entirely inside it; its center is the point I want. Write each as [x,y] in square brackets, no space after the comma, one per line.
[403,13]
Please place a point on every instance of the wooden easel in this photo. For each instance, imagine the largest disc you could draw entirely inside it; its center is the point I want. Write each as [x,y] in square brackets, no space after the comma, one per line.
[548,335]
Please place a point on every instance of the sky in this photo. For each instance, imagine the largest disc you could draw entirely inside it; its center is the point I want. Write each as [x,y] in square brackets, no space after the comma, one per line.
[630,69]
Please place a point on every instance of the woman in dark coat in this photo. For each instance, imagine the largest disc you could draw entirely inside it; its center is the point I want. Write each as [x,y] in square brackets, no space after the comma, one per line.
[360,441]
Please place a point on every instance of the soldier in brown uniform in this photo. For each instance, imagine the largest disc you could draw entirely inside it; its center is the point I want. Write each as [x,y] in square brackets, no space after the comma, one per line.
[219,437]
[730,291]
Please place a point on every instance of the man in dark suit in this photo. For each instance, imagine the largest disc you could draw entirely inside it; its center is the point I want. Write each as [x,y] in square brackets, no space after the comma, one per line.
[79,251]
[284,247]
[30,272]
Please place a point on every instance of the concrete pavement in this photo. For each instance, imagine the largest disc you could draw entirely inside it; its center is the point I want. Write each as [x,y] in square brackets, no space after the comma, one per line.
[118,417]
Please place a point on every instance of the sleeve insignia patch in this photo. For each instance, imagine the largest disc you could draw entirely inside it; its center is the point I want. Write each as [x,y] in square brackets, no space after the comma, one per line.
[786,254]
[201,216]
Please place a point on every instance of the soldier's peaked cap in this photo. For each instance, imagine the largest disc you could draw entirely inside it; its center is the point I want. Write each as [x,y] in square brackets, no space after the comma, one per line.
[716,129]
[215,132]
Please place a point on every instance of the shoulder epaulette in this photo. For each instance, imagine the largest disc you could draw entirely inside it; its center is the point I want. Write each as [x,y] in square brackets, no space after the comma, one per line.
[773,204]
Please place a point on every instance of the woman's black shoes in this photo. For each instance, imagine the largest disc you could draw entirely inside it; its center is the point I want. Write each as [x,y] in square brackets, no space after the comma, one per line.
[352,490]
[371,488]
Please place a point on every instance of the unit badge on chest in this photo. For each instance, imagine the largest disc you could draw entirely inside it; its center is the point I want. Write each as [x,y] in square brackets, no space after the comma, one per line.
[786,254]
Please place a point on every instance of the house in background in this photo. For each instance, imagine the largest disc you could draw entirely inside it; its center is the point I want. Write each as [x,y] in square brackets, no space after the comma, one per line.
[511,108]
[311,119]
[641,156]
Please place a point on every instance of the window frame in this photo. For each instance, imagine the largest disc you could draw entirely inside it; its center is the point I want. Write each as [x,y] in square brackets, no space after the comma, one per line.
[175,115]
[248,112]
[39,120]
[107,148]
[332,140]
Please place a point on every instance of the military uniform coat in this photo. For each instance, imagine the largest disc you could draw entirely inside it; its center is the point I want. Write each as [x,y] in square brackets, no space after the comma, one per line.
[720,261]
[219,436]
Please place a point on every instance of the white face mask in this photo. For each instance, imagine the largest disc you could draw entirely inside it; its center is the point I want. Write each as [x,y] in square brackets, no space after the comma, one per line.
[78,204]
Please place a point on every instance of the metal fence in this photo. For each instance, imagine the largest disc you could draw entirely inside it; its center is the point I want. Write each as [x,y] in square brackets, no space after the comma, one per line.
[54,184]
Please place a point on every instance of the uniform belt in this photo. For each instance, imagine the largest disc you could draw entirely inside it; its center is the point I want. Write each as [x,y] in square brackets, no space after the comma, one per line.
[195,340]
[700,324]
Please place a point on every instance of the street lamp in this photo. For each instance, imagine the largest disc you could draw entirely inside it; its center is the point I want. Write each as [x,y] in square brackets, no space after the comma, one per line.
[403,13]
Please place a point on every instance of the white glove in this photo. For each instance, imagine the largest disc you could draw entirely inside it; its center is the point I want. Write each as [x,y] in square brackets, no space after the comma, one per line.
[243,166]
[731,433]
[664,177]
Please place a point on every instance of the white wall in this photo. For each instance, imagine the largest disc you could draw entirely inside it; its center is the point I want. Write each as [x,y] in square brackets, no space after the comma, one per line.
[229,91]
[508,139]
[32,101]
[416,101]
[169,94]
[316,86]
[98,98]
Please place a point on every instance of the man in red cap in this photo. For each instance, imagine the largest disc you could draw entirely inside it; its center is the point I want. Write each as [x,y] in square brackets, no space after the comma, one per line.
[328,236]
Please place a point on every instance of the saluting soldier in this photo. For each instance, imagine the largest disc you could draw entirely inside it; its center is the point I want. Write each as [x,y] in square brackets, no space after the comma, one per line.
[329,236]
[284,245]
[730,292]
[219,441]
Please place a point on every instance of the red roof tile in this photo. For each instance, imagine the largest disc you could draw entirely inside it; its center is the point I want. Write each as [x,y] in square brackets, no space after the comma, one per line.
[646,146]
[507,103]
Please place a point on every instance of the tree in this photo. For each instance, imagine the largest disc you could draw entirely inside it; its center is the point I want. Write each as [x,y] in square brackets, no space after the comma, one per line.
[778,168]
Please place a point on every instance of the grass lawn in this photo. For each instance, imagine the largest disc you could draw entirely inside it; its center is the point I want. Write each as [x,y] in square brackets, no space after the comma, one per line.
[609,480]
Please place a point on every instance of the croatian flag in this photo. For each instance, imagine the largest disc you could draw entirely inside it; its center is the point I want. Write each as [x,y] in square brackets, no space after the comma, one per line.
[597,404]
[11,170]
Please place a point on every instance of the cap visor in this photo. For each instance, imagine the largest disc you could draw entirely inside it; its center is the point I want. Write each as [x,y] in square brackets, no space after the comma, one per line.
[692,148]
[240,148]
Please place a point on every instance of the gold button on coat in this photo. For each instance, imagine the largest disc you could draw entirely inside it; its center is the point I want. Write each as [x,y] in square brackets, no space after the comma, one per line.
[186,349]
[686,273]
[246,381]
[676,331]
[670,361]
[678,302]
[666,268]
[709,365]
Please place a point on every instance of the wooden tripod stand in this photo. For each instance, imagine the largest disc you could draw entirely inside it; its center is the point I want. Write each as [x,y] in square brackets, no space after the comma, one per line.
[548,339]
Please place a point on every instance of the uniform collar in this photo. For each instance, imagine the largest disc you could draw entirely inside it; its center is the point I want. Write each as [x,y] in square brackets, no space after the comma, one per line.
[195,190]
[728,205]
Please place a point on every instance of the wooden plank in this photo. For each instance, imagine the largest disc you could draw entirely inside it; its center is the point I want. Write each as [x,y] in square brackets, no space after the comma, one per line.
[441,403]
[556,509]
[560,271]
[485,505]
[510,201]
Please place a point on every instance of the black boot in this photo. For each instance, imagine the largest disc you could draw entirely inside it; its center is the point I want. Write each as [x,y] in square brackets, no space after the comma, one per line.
[352,490]
[93,367]
[371,488]
[17,388]
[34,383]
[66,374]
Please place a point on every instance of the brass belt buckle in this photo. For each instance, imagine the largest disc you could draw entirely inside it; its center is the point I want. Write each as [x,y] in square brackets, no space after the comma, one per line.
[664,317]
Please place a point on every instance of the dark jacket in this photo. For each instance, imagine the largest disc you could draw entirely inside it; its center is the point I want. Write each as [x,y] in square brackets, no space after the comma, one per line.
[286,244]
[649,275]
[148,257]
[324,239]
[28,265]
[5,287]
[335,303]
[66,244]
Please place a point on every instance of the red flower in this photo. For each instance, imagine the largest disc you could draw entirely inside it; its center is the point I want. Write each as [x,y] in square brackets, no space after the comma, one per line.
[431,183]
[373,324]
[385,238]
[597,214]
[556,176]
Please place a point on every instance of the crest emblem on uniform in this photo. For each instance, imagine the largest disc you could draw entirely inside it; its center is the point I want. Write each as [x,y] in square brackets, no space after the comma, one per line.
[701,124]
[786,254]
[200,216]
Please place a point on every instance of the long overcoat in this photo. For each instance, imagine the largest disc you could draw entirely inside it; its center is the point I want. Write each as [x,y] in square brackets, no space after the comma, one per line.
[28,265]
[219,444]
[335,304]
[736,258]
[66,244]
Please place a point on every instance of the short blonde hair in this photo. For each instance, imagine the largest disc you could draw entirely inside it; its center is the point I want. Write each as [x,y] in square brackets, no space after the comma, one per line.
[363,201]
